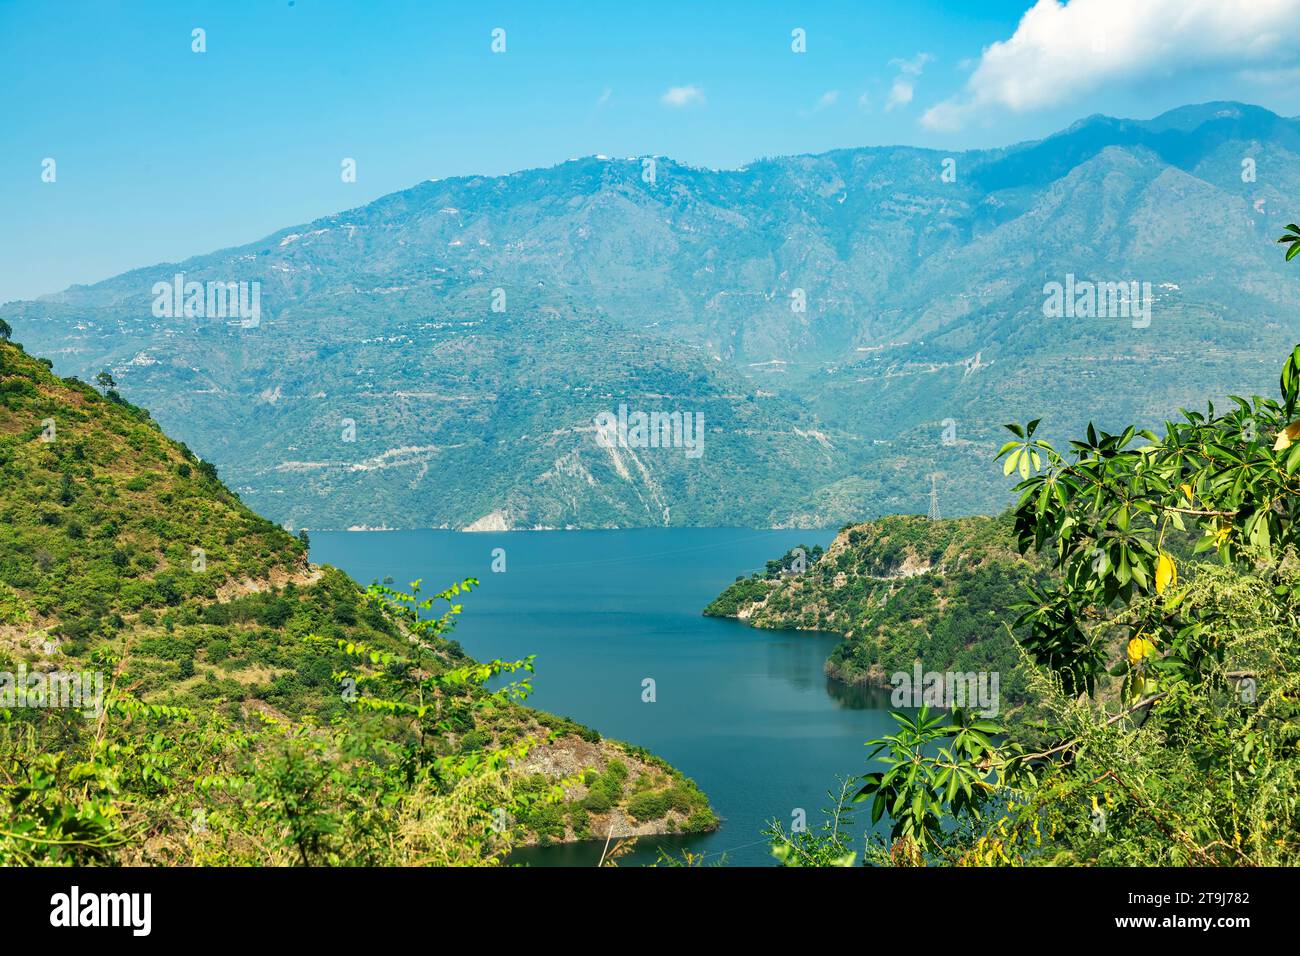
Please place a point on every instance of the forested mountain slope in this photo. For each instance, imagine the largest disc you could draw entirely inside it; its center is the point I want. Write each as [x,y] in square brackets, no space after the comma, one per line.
[900,590]
[236,704]
[845,323]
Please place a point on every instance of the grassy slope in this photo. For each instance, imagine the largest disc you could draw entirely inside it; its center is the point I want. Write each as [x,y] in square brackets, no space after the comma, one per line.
[901,589]
[98,531]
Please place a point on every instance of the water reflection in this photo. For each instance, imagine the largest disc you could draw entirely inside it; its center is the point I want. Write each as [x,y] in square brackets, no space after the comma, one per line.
[858,696]
[647,851]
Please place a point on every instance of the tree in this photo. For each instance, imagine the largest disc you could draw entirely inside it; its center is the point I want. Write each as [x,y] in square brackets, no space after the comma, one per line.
[1184,749]
[105,381]
[928,779]
[412,688]
[1106,510]
[828,844]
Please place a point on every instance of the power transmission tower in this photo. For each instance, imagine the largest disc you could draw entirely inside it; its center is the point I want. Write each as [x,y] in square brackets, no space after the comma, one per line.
[934,499]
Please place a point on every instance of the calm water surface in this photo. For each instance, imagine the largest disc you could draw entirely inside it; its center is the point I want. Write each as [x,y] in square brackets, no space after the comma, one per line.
[748,714]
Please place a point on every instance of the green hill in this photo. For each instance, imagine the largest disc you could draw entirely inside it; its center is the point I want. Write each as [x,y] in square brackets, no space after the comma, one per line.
[255,708]
[900,590]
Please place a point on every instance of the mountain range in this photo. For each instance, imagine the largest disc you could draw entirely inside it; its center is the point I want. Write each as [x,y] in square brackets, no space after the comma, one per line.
[847,324]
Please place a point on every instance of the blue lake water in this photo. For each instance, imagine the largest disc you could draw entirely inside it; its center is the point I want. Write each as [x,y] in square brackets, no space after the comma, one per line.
[748,714]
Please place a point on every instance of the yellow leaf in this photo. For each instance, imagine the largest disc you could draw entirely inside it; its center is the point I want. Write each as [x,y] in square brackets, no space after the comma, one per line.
[1139,648]
[1286,436]
[1187,490]
[1010,463]
[1166,572]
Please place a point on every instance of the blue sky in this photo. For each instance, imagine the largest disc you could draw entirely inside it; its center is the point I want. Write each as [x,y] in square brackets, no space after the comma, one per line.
[164,153]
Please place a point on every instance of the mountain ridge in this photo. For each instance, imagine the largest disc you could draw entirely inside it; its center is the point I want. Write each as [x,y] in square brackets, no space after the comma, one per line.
[853,295]
[1155,124]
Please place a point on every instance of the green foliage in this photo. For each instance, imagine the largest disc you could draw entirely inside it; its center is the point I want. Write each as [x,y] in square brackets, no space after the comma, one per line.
[1105,510]
[258,710]
[1195,761]
[648,805]
[937,767]
[828,844]
[904,589]
[1172,723]
[795,561]
[100,522]
[418,690]
[605,791]
[376,786]
[13,610]
[741,594]
[1291,239]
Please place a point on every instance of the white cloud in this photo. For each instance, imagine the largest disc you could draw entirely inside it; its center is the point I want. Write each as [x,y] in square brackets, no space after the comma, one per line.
[1062,50]
[826,100]
[900,94]
[679,96]
[904,86]
[914,66]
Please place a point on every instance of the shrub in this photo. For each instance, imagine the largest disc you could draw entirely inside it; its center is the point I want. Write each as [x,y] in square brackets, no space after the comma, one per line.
[648,805]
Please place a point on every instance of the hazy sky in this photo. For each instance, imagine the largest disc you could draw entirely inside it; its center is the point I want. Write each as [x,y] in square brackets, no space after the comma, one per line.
[162,152]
